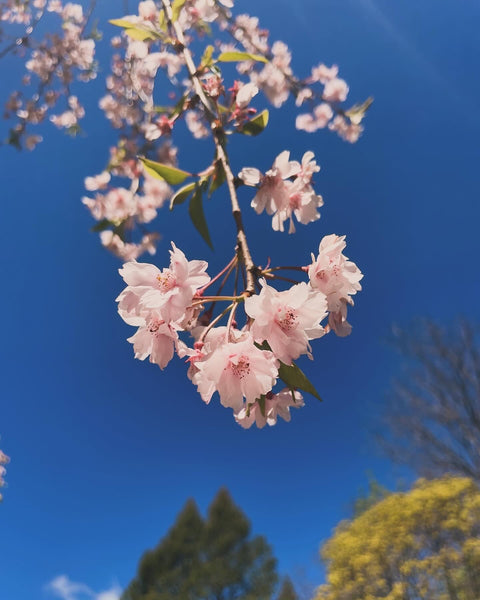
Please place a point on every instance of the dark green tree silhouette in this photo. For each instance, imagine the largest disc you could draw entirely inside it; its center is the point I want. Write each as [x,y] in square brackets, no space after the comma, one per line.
[207,559]
[287,591]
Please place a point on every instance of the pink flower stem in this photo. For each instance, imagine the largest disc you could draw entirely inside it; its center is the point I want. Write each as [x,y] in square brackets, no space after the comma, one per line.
[233,265]
[243,251]
[215,321]
[230,322]
[273,276]
[217,277]
[290,268]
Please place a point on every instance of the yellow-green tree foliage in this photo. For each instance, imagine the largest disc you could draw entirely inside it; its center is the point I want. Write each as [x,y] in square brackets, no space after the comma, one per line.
[419,545]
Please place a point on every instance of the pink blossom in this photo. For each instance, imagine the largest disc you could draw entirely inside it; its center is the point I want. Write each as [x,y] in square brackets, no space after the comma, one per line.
[156,190]
[127,250]
[303,202]
[338,320]
[69,118]
[246,30]
[287,320]
[273,83]
[117,205]
[335,90]
[237,370]
[170,291]
[55,6]
[335,276]
[4,459]
[147,10]
[156,339]
[302,95]
[272,194]
[348,131]
[267,412]
[245,95]
[194,122]
[323,74]
[97,182]
[166,60]
[281,197]
[319,119]
[72,12]
[32,140]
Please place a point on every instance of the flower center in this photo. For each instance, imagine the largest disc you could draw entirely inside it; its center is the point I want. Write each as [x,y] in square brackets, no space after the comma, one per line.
[286,318]
[154,325]
[241,368]
[166,280]
[295,201]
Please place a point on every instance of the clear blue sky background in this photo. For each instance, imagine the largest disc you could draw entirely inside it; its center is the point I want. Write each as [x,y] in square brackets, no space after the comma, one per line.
[105,449]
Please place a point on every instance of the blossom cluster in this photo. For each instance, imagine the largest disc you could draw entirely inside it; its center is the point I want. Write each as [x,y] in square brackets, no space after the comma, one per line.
[3,461]
[53,63]
[277,80]
[285,190]
[242,364]
[147,54]
[164,79]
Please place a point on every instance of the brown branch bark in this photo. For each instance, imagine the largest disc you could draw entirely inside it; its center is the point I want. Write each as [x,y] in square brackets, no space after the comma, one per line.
[212,116]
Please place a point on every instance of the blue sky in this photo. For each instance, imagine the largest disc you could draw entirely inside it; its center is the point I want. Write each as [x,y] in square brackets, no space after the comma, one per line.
[105,449]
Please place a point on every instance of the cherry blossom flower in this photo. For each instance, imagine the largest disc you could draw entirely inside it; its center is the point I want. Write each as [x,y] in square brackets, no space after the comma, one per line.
[69,118]
[195,124]
[272,79]
[319,119]
[285,190]
[97,182]
[128,251]
[324,74]
[348,131]
[4,459]
[247,31]
[156,339]
[245,95]
[287,320]
[337,277]
[117,205]
[147,10]
[274,405]
[170,291]
[272,194]
[303,202]
[31,141]
[237,370]
[335,90]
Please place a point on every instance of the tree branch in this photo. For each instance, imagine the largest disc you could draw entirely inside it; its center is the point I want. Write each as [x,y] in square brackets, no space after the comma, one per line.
[217,133]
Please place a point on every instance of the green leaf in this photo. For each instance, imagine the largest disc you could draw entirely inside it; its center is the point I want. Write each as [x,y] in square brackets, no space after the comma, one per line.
[171,175]
[296,379]
[162,109]
[102,225]
[261,403]
[236,56]
[162,20]
[217,179]
[257,124]
[177,109]
[195,210]
[358,111]
[207,57]
[121,23]
[182,194]
[135,31]
[177,6]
